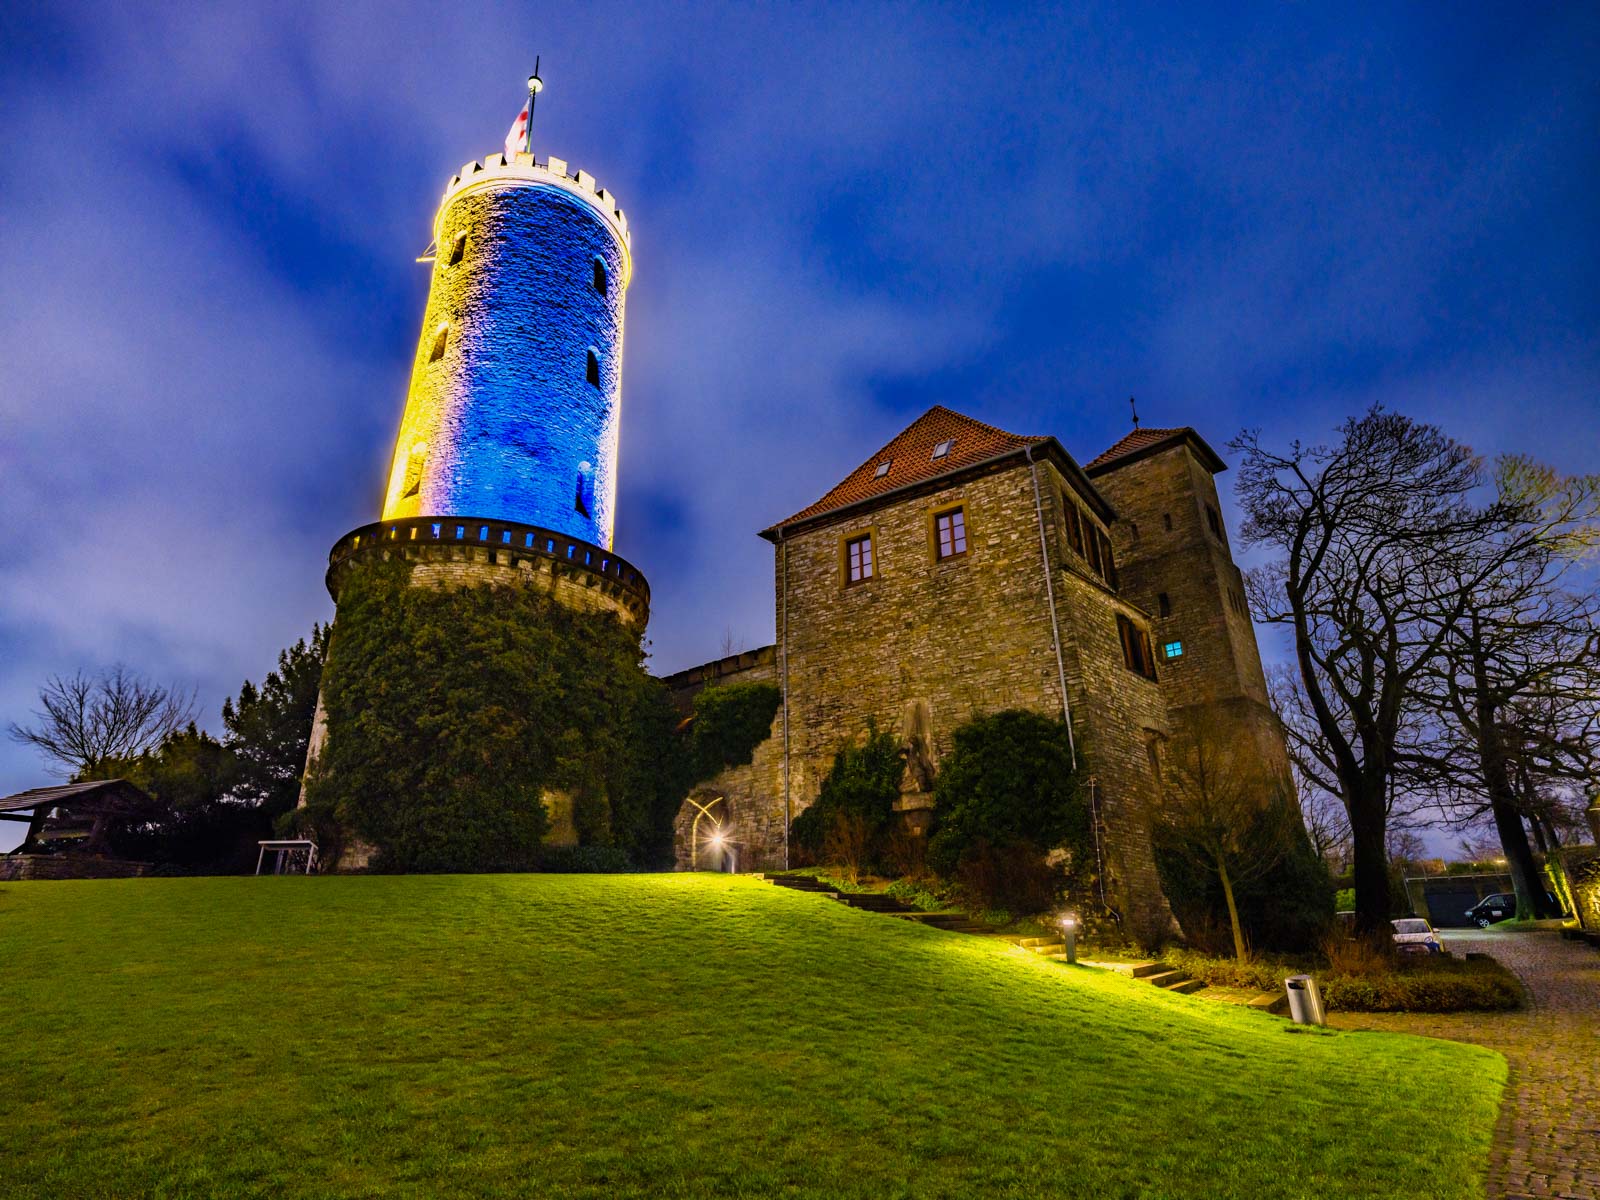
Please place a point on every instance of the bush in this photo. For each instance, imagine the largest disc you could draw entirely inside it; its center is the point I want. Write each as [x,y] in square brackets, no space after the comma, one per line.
[1367,980]
[580,860]
[1009,779]
[1284,910]
[1265,974]
[1447,985]
[863,783]
[1013,877]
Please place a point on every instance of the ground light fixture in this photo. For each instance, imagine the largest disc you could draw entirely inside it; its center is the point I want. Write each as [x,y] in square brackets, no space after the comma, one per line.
[1069,927]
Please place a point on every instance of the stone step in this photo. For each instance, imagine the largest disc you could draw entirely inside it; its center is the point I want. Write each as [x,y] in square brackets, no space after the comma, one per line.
[1146,969]
[1186,986]
[1167,979]
[1272,1002]
[872,902]
[800,883]
[1048,948]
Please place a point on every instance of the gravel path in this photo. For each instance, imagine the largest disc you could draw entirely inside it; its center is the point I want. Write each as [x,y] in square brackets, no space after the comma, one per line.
[1547,1141]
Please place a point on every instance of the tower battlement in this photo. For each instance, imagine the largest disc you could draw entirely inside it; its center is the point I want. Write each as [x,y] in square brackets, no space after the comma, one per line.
[524,170]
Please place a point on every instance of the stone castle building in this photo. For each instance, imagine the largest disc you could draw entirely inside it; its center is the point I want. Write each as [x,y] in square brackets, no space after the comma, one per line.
[961,570]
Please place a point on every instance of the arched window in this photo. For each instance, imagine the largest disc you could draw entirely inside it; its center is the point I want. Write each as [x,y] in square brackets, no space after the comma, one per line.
[441,336]
[601,283]
[594,369]
[458,248]
[582,499]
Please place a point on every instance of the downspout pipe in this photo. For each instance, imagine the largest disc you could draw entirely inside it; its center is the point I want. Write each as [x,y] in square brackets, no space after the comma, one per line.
[1055,624]
[783,649]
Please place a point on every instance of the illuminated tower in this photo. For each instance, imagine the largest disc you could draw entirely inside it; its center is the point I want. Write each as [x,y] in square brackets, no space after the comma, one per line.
[505,468]
[507,455]
[517,385]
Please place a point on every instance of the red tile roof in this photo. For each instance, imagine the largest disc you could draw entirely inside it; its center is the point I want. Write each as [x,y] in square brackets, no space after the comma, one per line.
[910,458]
[1143,442]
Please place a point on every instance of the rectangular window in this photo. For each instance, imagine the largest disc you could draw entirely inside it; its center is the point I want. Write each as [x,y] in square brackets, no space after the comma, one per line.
[1108,561]
[951,530]
[1136,655]
[1172,649]
[942,449]
[1091,548]
[1074,526]
[1163,605]
[858,559]
[1214,519]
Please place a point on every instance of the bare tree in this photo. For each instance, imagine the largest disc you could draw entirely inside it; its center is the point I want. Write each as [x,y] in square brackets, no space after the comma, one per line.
[1222,807]
[1368,530]
[1516,692]
[87,723]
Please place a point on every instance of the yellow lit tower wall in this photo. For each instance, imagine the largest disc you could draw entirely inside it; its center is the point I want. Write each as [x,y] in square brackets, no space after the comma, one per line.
[516,391]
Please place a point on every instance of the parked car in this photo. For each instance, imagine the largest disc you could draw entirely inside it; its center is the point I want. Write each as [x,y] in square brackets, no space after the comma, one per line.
[1500,906]
[1492,908]
[1413,935]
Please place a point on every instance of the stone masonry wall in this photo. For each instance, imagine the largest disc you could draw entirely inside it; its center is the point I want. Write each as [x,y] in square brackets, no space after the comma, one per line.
[746,802]
[1220,667]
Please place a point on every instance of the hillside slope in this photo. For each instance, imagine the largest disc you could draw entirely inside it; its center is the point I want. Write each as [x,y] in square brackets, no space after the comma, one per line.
[665,1035]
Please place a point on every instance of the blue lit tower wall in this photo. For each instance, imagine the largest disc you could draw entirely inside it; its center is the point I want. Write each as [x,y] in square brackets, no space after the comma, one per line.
[516,390]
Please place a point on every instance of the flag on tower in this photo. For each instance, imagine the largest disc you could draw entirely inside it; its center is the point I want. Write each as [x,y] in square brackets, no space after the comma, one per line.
[517,139]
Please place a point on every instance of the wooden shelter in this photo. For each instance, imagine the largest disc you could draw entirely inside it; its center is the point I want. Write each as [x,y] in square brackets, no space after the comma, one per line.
[73,818]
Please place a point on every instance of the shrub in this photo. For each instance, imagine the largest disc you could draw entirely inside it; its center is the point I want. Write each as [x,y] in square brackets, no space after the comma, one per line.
[1266,974]
[579,860]
[1447,985]
[1368,980]
[1285,909]
[864,781]
[1009,781]
[1357,957]
[927,895]
[1013,877]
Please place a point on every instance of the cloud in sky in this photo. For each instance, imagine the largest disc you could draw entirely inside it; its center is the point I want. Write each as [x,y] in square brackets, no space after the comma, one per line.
[1270,216]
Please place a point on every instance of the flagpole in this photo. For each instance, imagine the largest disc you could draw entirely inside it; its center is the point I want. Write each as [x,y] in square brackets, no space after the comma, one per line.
[535,86]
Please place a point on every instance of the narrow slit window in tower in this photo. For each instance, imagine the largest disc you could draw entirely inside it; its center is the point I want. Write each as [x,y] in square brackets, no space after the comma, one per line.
[441,336]
[581,500]
[601,283]
[594,369]
[458,248]
[1164,605]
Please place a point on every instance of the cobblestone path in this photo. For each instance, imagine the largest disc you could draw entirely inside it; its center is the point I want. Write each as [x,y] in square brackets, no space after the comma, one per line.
[1547,1141]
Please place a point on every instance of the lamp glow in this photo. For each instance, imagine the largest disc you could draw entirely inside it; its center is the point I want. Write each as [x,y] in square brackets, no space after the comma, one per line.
[1069,926]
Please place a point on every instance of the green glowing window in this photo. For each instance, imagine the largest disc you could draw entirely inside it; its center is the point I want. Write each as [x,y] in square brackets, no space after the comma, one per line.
[1172,649]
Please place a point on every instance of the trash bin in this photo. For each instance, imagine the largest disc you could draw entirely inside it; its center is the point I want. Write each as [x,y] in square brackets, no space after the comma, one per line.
[1305,1002]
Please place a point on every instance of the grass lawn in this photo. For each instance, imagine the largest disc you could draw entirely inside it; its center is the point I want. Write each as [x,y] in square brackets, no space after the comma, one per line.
[660,1035]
